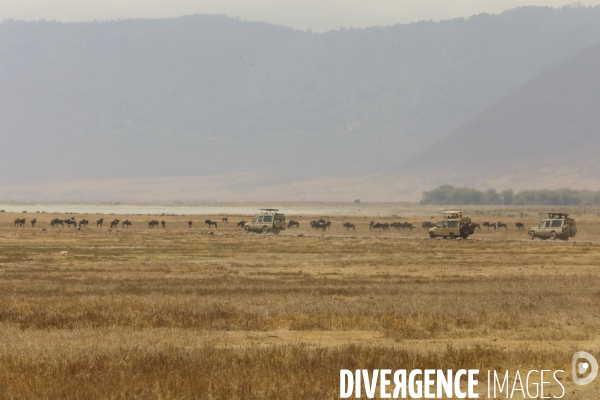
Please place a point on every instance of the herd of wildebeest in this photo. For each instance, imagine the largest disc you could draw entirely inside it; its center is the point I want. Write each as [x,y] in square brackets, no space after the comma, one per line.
[72,222]
[320,224]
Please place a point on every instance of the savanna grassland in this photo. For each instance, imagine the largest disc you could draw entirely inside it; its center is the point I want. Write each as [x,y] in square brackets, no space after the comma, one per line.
[183,313]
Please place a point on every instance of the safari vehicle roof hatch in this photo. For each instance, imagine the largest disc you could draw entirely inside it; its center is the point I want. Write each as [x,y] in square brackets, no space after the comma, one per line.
[557,215]
[268,210]
[452,214]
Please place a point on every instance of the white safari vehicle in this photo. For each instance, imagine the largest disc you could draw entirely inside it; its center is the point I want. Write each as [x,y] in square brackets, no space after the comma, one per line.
[269,220]
[452,225]
[556,226]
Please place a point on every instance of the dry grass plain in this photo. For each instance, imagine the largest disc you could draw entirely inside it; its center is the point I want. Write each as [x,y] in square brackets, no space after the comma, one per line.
[179,313]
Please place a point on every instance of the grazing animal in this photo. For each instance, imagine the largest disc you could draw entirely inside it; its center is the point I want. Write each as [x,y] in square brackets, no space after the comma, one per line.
[70,222]
[224,219]
[488,225]
[126,223]
[114,223]
[241,223]
[371,225]
[55,222]
[19,222]
[377,226]
[407,225]
[99,223]
[33,221]
[210,223]
[190,224]
[501,225]
[476,226]
[349,226]
[319,225]
[83,222]
[293,223]
[163,223]
[152,223]
[427,224]
[520,225]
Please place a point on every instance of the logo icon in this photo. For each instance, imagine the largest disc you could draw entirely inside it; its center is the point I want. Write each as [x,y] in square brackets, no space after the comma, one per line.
[590,364]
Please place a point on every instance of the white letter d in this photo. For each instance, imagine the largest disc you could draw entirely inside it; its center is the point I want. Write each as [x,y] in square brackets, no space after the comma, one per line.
[346,390]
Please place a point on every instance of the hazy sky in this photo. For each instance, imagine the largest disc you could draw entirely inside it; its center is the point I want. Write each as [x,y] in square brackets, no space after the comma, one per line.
[318,15]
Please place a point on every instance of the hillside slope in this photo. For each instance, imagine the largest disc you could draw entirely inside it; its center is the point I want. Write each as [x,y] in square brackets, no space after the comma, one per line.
[204,95]
[545,134]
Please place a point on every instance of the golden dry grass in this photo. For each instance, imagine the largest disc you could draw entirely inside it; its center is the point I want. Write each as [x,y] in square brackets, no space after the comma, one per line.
[176,313]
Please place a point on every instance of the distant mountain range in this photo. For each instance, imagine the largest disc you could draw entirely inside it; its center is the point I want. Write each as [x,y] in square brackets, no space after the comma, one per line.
[298,114]
[546,134]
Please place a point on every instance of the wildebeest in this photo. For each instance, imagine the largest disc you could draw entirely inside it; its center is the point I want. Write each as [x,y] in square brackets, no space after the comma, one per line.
[99,223]
[378,226]
[83,222]
[427,224]
[476,226]
[371,225]
[293,223]
[190,224]
[520,225]
[19,222]
[501,225]
[126,223]
[33,221]
[241,223]
[210,223]
[163,223]
[224,219]
[318,225]
[114,223]
[152,223]
[349,226]
[70,222]
[406,225]
[55,222]
[488,225]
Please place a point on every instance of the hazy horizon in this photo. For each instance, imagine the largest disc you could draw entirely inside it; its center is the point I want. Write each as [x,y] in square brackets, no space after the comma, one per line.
[319,16]
[212,107]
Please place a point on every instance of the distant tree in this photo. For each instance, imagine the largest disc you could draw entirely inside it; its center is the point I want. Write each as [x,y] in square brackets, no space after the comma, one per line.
[507,196]
[448,194]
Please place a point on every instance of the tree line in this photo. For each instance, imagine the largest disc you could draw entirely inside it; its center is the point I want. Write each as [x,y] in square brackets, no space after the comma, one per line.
[448,194]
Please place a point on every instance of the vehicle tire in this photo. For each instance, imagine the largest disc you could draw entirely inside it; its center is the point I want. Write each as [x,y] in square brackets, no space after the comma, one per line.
[531,235]
[471,229]
[247,229]
[552,235]
[265,230]
[431,235]
[452,236]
